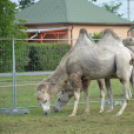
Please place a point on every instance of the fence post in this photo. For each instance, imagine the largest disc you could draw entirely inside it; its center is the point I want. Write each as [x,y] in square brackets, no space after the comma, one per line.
[14,76]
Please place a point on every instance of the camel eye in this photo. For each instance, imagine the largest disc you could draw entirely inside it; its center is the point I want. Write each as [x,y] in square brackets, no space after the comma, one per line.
[58,99]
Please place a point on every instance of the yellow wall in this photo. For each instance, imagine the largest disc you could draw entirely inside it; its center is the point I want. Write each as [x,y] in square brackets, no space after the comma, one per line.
[120,30]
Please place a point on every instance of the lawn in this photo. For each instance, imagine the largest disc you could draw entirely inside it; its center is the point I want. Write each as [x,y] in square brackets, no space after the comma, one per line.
[59,123]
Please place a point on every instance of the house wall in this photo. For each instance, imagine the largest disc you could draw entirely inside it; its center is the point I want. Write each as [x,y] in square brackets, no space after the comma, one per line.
[51,36]
[120,30]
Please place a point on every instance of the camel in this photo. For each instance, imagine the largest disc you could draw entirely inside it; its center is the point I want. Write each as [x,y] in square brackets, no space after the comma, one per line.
[58,80]
[67,93]
[129,43]
[87,63]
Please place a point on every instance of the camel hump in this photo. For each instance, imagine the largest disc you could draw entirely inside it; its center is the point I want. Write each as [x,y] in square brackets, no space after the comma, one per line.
[110,32]
[83,31]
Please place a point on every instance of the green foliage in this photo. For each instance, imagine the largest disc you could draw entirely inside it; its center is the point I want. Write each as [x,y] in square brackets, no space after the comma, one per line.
[25,3]
[9,29]
[132,26]
[46,56]
[7,11]
[21,56]
[32,56]
[97,36]
[113,7]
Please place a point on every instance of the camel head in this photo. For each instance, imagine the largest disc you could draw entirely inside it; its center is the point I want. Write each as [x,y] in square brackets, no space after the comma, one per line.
[63,97]
[46,90]
[44,96]
[129,41]
[62,100]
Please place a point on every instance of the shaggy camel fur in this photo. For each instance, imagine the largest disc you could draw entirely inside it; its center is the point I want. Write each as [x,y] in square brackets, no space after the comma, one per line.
[67,93]
[94,62]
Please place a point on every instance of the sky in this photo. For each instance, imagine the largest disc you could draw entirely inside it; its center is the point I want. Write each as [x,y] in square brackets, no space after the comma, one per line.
[122,10]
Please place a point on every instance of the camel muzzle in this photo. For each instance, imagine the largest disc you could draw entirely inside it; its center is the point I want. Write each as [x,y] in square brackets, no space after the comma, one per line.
[56,109]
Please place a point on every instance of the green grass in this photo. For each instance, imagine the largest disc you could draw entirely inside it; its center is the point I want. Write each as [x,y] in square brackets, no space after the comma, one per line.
[59,123]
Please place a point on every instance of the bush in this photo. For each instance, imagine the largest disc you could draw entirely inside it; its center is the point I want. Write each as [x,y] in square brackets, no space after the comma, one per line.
[21,56]
[31,56]
[45,56]
[97,36]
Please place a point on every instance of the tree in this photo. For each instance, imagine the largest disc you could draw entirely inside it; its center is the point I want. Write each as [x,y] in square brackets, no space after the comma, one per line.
[25,3]
[9,29]
[112,7]
[93,0]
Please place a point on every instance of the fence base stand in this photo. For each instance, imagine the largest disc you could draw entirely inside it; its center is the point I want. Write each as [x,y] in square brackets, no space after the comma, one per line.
[14,111]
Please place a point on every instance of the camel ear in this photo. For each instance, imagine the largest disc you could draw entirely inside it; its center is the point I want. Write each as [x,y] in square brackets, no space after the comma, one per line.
[37,96]
[128,41]
[63,91]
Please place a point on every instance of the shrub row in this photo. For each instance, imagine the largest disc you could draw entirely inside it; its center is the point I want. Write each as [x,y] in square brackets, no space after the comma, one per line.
[45,57]
[21,55]
[31,56]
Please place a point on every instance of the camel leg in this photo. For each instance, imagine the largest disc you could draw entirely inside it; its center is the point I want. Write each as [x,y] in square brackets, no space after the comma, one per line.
[127,96]
[110,94]
[75,80]
[85,84]
[101,84]
[132,79]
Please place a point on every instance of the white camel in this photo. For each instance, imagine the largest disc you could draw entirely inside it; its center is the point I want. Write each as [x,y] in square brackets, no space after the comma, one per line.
[88,63]
[67,93]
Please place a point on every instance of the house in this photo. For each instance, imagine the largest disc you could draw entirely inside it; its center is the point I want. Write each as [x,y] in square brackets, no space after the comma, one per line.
[131,32]
[62,19]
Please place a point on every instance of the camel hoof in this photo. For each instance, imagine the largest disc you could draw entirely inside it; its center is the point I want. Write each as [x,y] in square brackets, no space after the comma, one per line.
[109,110]
[101,110]
[87,112]
[118,114]
[71,115]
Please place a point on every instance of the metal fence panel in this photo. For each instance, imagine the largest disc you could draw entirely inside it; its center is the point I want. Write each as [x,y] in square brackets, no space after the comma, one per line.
[6,83]
[17,89]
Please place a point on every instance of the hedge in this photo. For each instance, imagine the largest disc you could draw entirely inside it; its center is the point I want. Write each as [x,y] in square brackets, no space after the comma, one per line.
[31,56]
[45,57]
[21,56]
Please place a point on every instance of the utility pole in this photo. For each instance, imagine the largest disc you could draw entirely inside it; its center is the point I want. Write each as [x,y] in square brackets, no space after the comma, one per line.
[128,9]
